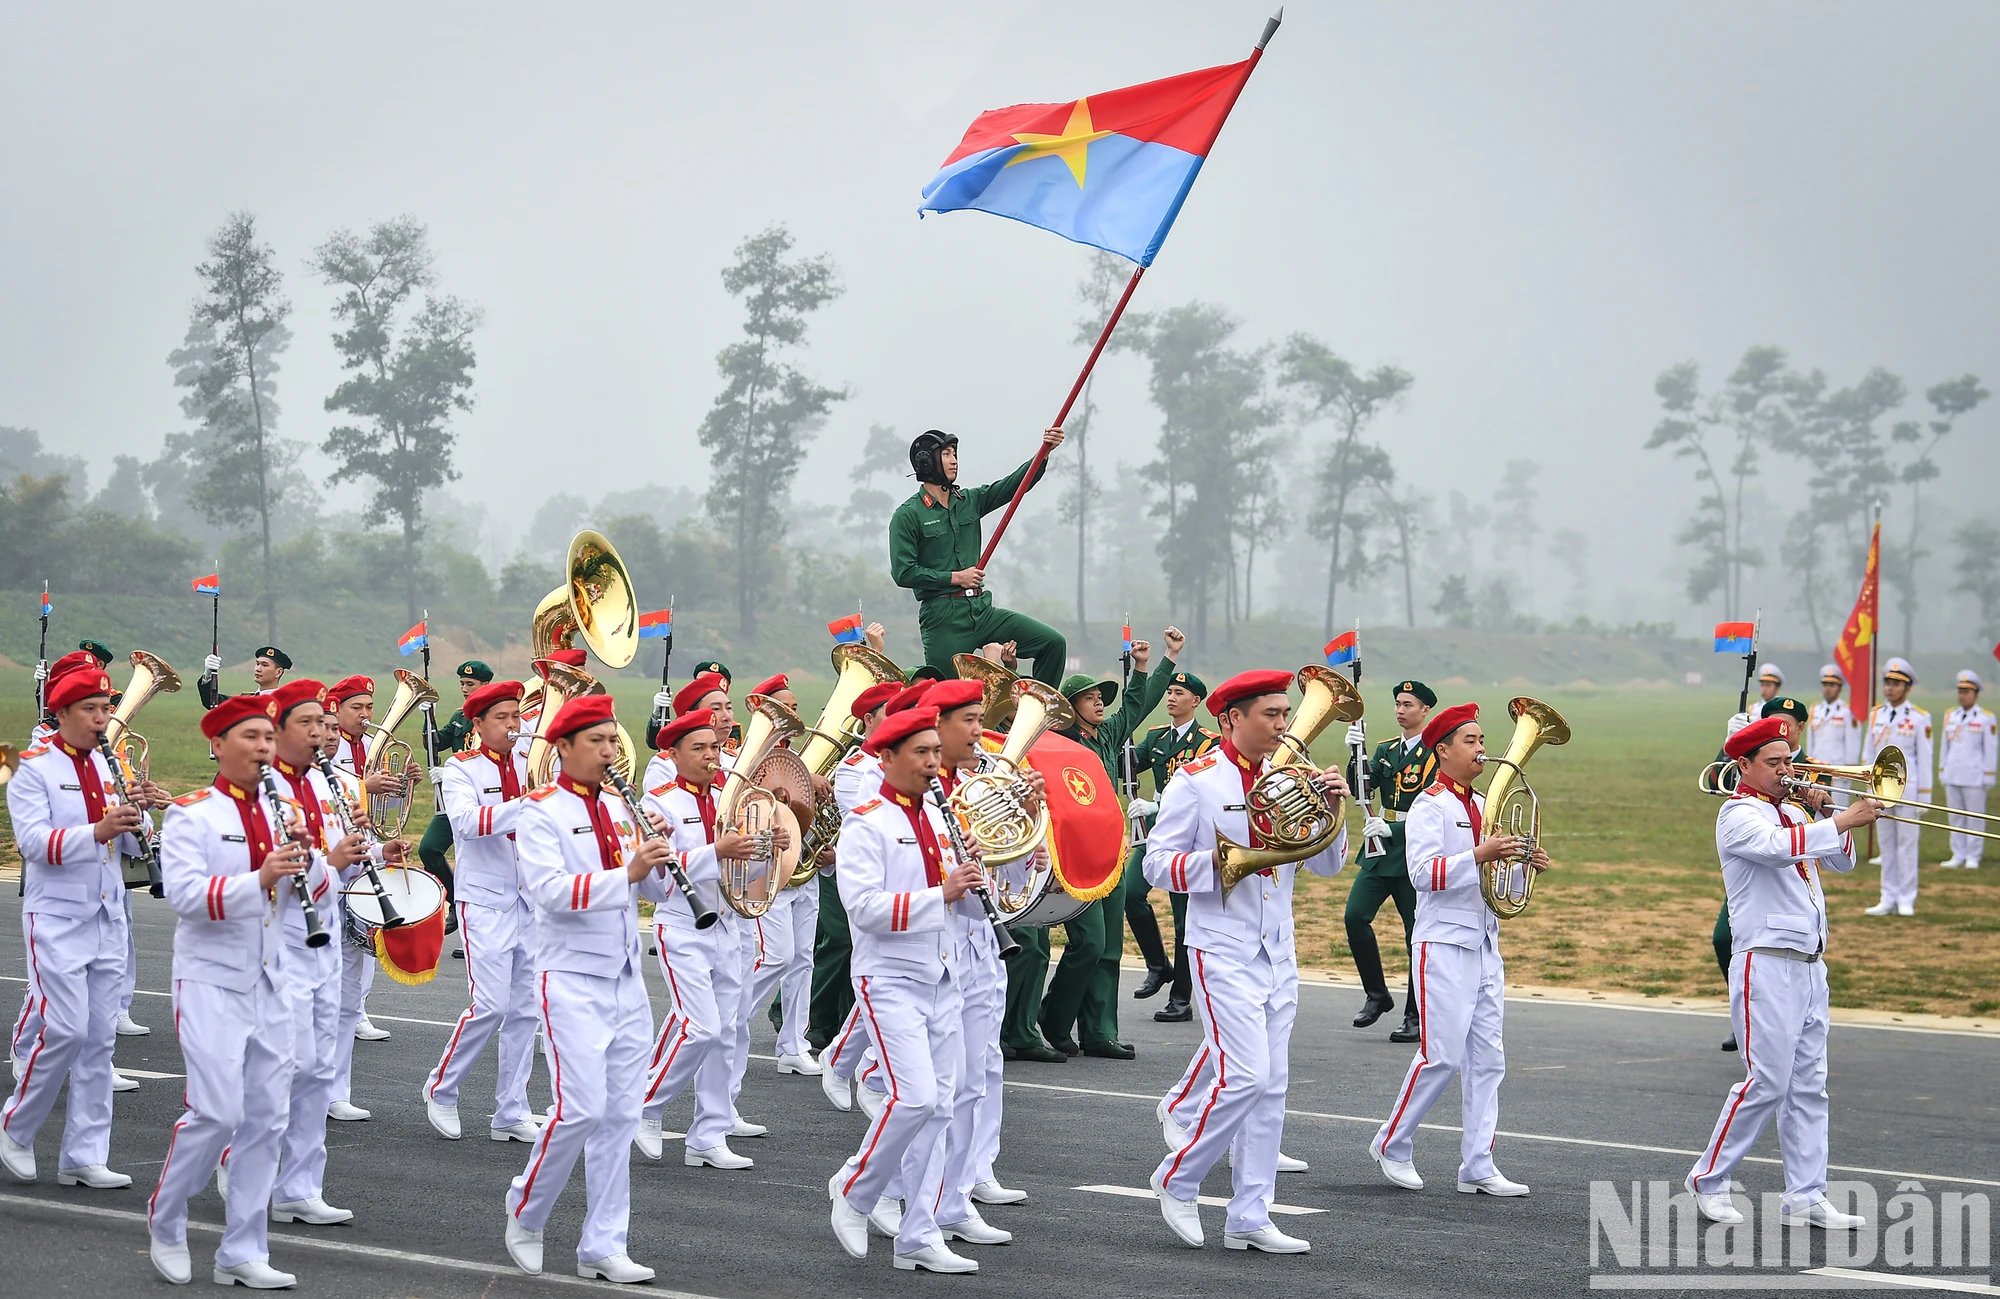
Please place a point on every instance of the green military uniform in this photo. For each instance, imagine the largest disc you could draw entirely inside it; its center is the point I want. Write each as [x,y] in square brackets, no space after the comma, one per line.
[436,842]
[928,542]
[1161,753]
[1398,771]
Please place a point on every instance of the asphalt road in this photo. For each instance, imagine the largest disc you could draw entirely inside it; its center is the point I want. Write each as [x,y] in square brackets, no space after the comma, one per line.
[1592,1093]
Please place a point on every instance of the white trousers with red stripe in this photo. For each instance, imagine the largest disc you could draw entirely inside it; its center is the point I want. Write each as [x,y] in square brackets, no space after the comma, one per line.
[315,977]
[704,977]
[1779,1008]
[1460,1003]
[357,972]
[960,1160]
[500,978]
[76,973]
[238,1049]
[795,985]
[849,1046]
[1247,1009]
[767,946]
[598,1031]
[1899,862]
[918,1027]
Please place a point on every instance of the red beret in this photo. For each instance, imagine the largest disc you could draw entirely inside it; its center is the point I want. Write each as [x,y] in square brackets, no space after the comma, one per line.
[71,661]
[689,696]
[910,697]
[293,693]
[78,683]
[874,697]
[1448,721]
[772,685]
[346,688]
[580,714]
[488,695]
[237,708]
[1247,685]
[899,727]
[955,693]
[1757,734]
[676,730]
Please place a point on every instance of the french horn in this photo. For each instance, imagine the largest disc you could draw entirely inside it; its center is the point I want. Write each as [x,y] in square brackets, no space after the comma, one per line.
[1287,811]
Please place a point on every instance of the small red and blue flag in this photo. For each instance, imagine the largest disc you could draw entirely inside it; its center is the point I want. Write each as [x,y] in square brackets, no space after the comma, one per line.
[1125,641]
[847,631]
[42,606]
[416,638]
[1735,638]
[656,624]
[1343,649]
[210,585]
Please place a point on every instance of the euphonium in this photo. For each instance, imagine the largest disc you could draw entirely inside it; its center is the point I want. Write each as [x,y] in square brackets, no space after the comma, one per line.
[150,676]
[996,681]
[1286,809]
[835,735]
[596,602]
[992,802]
[1512,808]
[750,885]
[389,813]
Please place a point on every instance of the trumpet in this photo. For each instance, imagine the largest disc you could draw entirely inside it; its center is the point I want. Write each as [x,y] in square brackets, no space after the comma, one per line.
[1512,807]
[704,915]
[316,935]
[1009,945]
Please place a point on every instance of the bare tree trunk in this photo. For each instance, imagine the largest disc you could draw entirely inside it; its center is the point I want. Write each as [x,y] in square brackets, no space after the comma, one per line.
[263,480]
[1409,587]
[410,566]
[746,614]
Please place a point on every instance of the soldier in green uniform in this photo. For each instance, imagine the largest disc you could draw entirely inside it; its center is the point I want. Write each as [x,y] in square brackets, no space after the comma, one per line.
[1398,771]
[436,842]
[934,552]
[1162,751]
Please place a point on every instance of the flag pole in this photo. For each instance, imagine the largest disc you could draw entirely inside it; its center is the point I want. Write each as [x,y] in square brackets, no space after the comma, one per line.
[42,671]
[1271,25]
[1750,664]
[658,717]
[1369,847]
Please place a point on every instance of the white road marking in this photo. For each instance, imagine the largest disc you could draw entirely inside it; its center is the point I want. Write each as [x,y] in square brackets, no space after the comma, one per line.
[148,1073]
[1969,1285]
[1212,1201]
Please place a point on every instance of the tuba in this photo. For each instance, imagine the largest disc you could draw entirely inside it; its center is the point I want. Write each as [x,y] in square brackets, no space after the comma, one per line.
[833,737]
[10,762]
[998,684]
[748,806]
[596,602]
[150,676]
[992,802]
[389,813]
[1512,808]
[1286,810]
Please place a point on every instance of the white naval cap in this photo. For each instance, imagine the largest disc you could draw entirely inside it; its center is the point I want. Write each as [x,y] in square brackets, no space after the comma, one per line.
[1773,674]
[1832,672]
[1901,669]
[1971,678]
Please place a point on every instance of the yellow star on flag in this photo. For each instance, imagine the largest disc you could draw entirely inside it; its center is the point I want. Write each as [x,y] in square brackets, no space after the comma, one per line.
[1072,146]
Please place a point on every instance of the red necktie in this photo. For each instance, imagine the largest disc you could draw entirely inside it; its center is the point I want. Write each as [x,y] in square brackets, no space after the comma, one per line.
[920,827]
[88,781]
[610,849]
[510,780]
[704,801]
[256,830]
[356,754]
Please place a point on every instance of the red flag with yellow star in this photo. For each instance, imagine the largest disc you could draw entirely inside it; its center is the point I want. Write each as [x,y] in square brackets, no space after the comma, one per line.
[1856,651]
[1086,823]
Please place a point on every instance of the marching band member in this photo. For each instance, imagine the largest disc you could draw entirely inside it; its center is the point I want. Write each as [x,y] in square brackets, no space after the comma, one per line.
[1399,771]
[74,922]
[899,881]
[1834,734]
[267,669]
[1771,859]
[480,791]
[1966,765]
[1164,751]
[858,773]
[585,880]
[531,710]
[226,869]
[1461,980]
[1245,968]
[352,702]
[436,843]
[705,692]
[784,938]
[1900,724]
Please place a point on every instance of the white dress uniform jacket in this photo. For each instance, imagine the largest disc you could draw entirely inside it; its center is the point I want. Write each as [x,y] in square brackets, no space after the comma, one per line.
[857,779]
[314,974]
[1971,746]
[1833,733]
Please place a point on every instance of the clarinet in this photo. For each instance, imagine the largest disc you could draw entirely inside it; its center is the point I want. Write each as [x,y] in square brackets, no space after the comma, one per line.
[1001,934]
[148,852]
[704,915]
[391,918]
[316,935]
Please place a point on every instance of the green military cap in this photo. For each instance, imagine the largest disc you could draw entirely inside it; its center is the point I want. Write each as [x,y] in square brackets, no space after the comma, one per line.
[1191,683]
[1418,690]
[1077,682]
[716,666]
[474,670]
[1786,706]
[276,655]
[96,650]
[922,672]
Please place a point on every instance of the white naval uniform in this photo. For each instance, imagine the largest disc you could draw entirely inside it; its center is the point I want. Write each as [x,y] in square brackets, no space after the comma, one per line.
[1907,727]
[1461,981]
[357,967]
[496,926]
[73,920]
[314,976]
[590,986]
[1771,859]
[703,969]
[856,780]
[235,1012]
[907,985]
[1246,981]
[1966,765]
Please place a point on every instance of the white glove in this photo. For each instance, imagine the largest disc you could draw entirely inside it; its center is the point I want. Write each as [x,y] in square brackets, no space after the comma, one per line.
[437,777]
[1357,734]
[1738,722]
[41,672]
[212,664]
[664,701]
[1374,828]
[1142,807]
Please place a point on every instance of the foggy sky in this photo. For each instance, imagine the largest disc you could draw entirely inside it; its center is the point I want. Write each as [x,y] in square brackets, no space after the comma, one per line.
[1533,208]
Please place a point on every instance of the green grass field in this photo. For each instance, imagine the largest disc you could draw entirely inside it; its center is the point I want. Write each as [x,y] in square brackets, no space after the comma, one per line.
[1629,905]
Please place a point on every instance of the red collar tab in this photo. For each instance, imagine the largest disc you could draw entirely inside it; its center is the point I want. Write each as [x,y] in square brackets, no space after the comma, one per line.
[1745,791]
[67,747]
[288,770]
[699,791]
[500,758]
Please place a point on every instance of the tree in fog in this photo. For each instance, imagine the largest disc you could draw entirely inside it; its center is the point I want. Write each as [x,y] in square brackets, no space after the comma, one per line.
[757,429]
[409,367]
[1949,400]
[1570,548]
[1978,542]
[1516,521]
[1098,292]
[1406,518]
[867,505]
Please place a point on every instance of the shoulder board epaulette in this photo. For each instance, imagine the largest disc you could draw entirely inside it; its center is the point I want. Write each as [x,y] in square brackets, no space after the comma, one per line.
[869,806]
[539,794]
[1437,787]
[465,755]
[190,799]
[1921,712]
[1203,763]
[35,752]
[854,758]
[661,788]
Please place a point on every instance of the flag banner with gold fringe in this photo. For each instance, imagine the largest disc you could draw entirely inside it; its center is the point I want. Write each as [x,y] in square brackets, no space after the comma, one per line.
[1086,823]
[409,954]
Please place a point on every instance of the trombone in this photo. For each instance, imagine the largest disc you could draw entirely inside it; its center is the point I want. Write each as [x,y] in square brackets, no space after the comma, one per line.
[1886,778]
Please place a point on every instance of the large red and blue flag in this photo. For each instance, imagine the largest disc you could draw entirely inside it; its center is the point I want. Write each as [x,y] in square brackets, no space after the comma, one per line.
[415,639]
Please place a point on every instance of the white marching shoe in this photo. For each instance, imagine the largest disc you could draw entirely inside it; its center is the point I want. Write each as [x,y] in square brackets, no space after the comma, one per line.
[936,1258]
[170,1260]
[651,1138]
[838,1090]
[717,1157]
[120,1083]
[870,1099]
[614,1267]
[850,1225]
[1906,908]
[444,1118]
[96,1176]
[1287,1164]
[1494,1185]
[257,1274]
[991,1192]
[1952,862]
[365,1031]
[1183,1216]
[314,1212]
[1400,1171]
[1171,1132]
[129,1027]
[524,1131]
[803,1065]
[742,1127]
[1821,1213]
[1717,1206]
[524,1247]
[975,1230]
[1882,908]
[887,1216]
[19,1160]
[347,1112]
[1268,1240]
